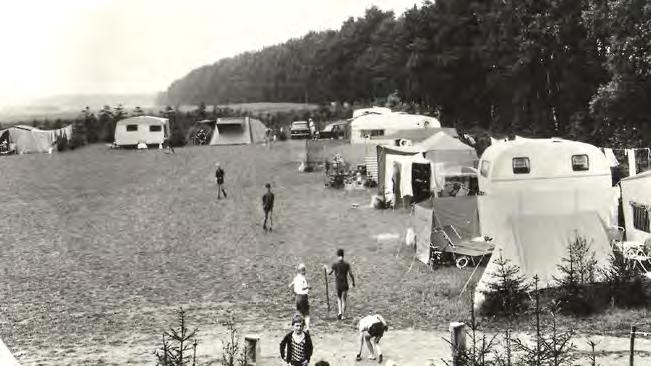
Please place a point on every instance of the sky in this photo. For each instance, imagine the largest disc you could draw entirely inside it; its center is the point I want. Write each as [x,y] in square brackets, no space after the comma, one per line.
[141,46]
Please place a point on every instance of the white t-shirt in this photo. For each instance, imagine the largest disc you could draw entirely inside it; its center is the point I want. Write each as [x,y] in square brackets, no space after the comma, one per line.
[366,322]
[300,285]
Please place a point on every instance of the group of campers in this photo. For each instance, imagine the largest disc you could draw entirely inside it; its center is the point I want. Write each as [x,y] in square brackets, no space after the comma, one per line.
[296,347]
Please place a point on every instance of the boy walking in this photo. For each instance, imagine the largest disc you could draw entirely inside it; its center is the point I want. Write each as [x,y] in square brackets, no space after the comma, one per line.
[268,207]
[219,176]
[341,270]
[301,289]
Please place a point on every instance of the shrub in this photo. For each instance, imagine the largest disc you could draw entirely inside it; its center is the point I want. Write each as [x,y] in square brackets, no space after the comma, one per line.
[577,292]
[625,286]
[507,294]
[61,143]
[175,350]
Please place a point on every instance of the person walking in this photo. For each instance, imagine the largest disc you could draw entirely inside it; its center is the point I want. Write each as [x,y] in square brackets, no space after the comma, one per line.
[371,329]
[268,207]
[301,289]
[342,270]
[296,346]
[219,177]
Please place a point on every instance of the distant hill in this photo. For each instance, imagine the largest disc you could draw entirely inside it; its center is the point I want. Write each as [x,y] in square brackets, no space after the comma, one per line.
[69,105]
[96,101]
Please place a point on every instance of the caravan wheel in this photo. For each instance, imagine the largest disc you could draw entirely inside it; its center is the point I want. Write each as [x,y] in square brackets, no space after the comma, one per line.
[463,262]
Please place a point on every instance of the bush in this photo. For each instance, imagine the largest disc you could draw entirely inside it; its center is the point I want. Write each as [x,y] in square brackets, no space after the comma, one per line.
[177,348]
[577,292]
[507,294]
[625,285]
[61,143]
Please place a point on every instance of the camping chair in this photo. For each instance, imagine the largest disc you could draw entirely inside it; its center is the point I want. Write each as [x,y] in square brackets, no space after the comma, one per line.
[463,251]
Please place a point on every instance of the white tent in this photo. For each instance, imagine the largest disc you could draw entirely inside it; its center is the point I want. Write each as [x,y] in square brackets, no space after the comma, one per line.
[538,195]
[369,125]
[538,242]
[6,358]
[147,129]
[636,204]
[28,139]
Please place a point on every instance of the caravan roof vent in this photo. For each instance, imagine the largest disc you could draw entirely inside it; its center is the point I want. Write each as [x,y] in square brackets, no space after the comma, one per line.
[556,139]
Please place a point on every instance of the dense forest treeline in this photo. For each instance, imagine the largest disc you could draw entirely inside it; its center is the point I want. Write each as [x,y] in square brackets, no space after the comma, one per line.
[572,68]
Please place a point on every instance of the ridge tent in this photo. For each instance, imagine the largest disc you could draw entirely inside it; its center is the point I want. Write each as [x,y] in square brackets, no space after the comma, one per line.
[443,148]
[366,126]
[636,204]
[237,131]
[412,136]
[150,130]
[27,139]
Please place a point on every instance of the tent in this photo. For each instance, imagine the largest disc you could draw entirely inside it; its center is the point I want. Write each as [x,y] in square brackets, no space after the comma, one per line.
[237,131]
[538,242]
[396,173]
[460,212]
[636,204]
[27,139]
[6,358]
[147,129]
[366,126]
[443,148]
[446,155]
[412,136]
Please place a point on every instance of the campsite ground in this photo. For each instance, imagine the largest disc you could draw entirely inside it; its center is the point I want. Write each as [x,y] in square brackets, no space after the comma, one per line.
[99,247]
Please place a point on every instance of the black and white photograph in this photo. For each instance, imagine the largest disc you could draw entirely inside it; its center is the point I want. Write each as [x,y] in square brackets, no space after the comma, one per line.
[325,182]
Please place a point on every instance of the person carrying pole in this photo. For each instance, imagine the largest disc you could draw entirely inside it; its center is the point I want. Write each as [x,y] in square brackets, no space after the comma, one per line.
[219,177]
[341,270]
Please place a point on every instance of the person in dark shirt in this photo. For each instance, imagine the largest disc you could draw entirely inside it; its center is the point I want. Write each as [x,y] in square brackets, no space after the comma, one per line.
[219,176]
[268,207]
[168,145]
[341,270]
[296,347]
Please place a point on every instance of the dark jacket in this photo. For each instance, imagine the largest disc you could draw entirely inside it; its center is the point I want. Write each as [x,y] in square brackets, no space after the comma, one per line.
[286,345]
[268,201]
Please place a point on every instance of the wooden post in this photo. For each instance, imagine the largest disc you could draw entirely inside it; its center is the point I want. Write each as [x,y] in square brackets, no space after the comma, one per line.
[457,341]
[325,276]
[252,349]
[631,356]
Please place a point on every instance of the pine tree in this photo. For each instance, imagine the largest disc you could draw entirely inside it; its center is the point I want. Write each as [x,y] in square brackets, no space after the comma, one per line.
[507,293]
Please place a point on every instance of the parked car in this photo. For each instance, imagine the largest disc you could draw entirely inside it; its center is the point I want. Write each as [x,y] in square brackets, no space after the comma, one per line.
[334,130]
[299,130]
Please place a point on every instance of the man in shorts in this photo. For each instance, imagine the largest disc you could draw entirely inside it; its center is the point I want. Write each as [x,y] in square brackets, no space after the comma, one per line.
[371,330]
[219,177]
[301,289]
[268,207]
[341,270]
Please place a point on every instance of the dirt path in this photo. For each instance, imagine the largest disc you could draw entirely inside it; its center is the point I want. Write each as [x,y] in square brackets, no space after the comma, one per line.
[402,346]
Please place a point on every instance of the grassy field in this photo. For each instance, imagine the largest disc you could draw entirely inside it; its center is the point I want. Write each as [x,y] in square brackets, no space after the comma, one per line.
[99,246]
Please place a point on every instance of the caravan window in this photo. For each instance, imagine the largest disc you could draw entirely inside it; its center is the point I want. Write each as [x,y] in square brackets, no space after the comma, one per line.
[131,128]
[372,133]
[640,217]
[521,165]
[155,128]
[580,162]
[485,166]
